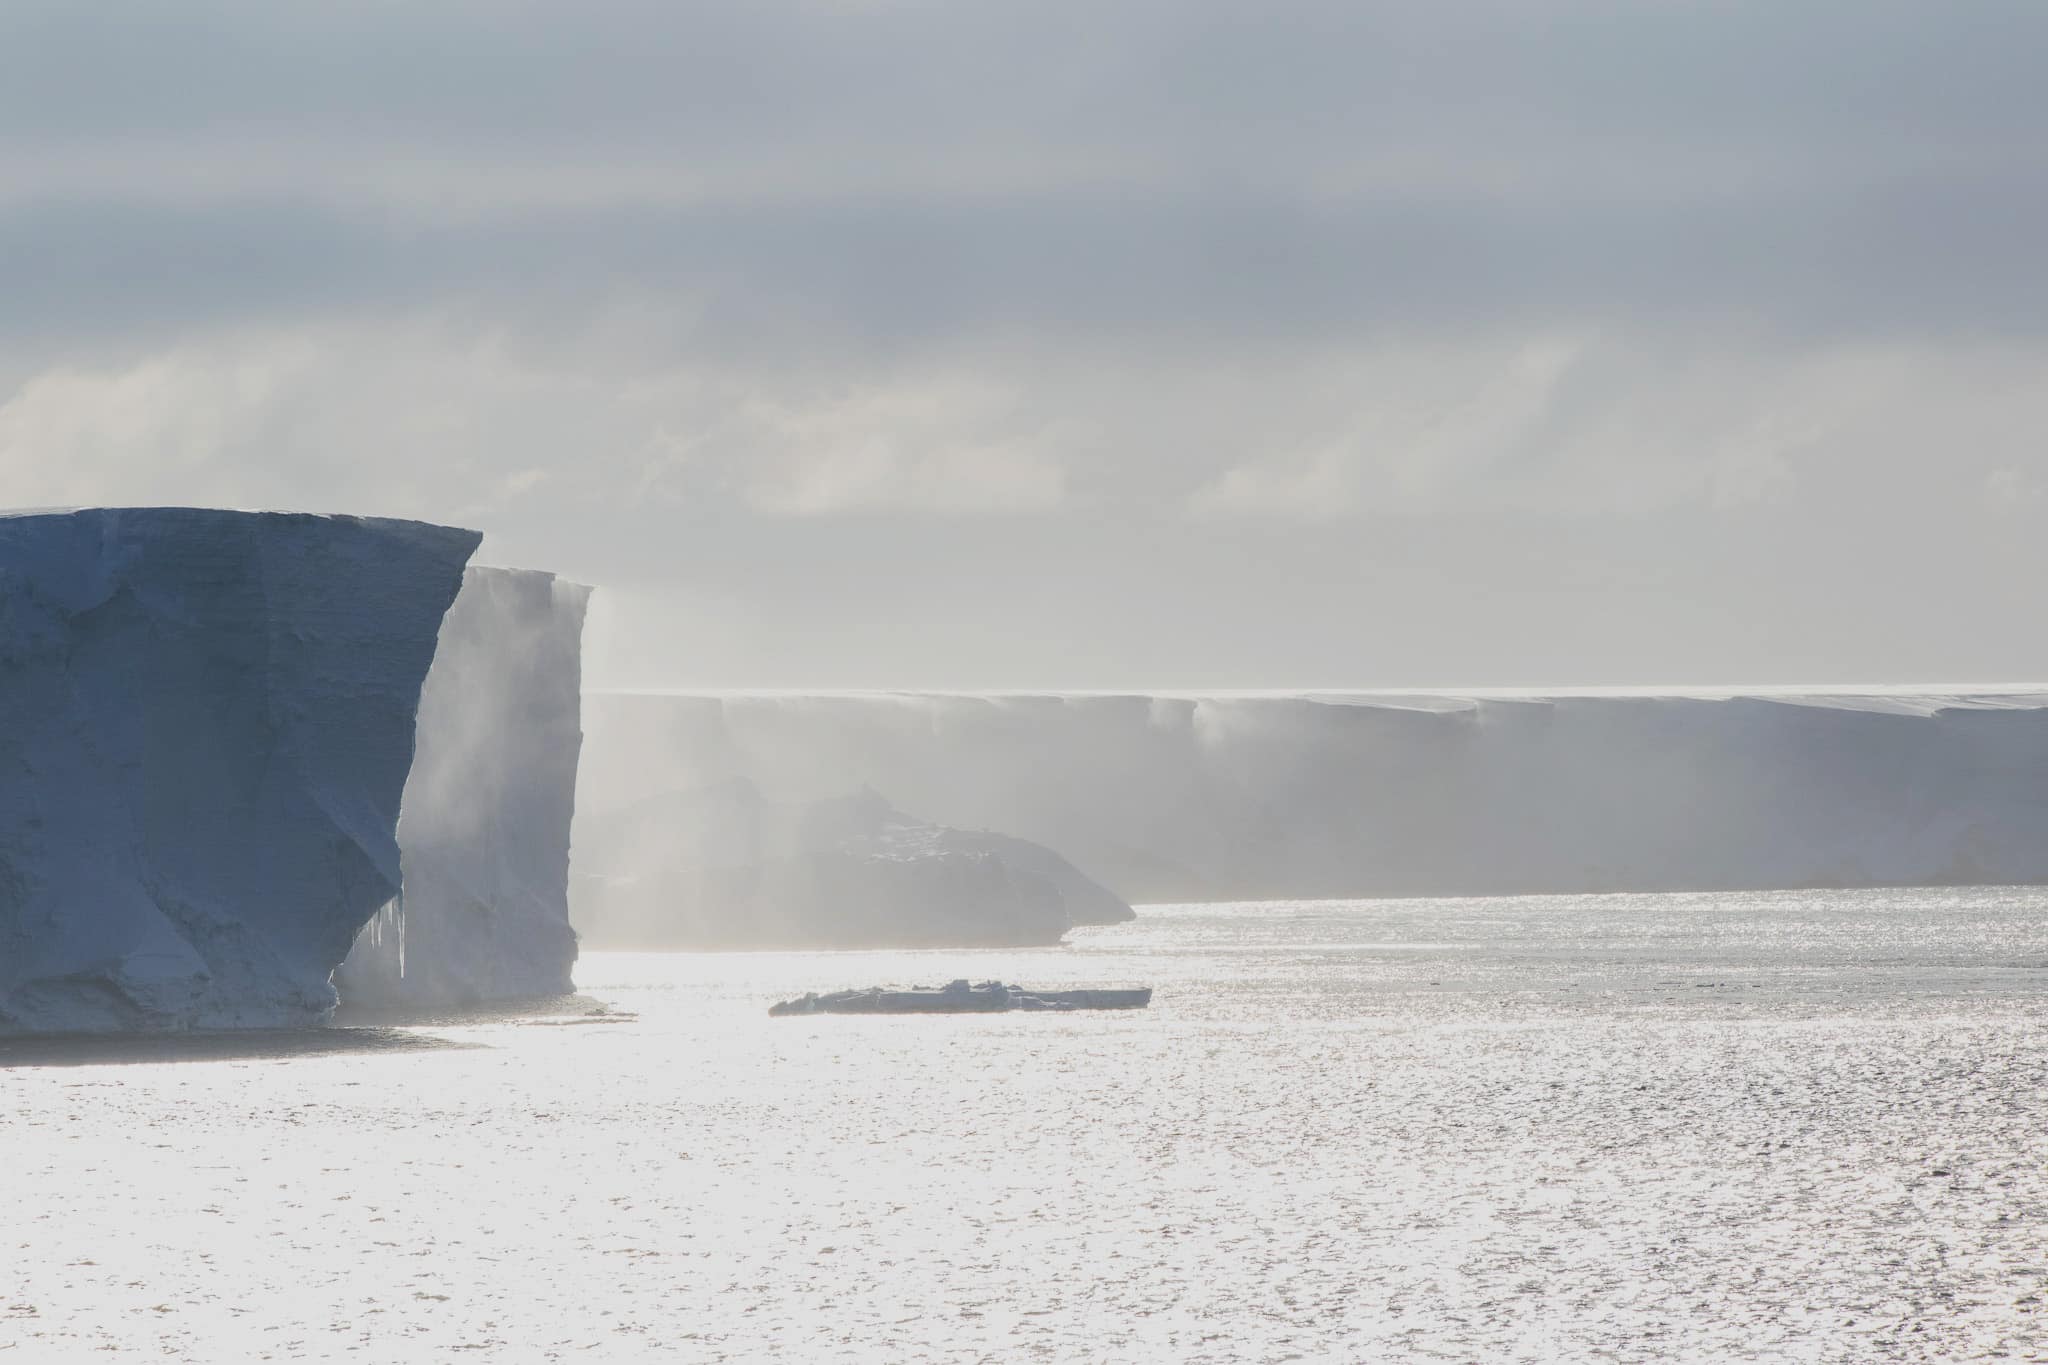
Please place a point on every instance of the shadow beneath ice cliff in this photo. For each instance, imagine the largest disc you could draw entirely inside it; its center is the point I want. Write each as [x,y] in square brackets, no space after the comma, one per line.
[119,1049]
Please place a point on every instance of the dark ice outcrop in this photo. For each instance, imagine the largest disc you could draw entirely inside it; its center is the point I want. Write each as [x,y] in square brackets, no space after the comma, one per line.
[206,720]
[721,867]
[484,835]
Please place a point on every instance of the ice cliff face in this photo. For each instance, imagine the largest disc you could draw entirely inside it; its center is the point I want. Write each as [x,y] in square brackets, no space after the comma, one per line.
[1181,797]
[206,719]
[720,867]
[484,835]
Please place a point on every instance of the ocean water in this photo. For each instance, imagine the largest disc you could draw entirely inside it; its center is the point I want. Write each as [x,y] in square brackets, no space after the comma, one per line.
[1793,1127]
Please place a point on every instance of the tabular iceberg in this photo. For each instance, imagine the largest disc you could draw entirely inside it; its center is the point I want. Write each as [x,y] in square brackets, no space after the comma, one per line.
[207,725]
[484,834]
[721,867]
[1182,797]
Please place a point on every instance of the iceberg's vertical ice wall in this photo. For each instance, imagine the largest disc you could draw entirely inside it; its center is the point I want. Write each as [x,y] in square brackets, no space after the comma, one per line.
[1198,796]
[484,834]
[206,720]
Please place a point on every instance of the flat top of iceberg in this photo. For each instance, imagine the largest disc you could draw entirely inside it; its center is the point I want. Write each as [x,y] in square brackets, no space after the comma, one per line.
[177,510]
[1900,699]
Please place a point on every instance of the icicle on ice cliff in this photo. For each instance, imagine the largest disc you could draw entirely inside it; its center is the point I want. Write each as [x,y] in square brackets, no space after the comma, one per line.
[207,723]
[484,833]
[1187,797]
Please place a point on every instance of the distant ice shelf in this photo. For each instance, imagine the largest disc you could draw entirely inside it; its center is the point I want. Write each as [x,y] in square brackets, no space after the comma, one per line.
[208,721]
[484,831]
[1185,796]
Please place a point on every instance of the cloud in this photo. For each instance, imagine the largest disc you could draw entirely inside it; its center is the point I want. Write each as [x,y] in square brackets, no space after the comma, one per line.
[904,174]
[804,309]
[1571,88]
[877,474]
[2011,490]
[1317,490]
[423,416]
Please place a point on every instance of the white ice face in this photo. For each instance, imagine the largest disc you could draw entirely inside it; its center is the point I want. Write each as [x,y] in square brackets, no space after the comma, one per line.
[484,833]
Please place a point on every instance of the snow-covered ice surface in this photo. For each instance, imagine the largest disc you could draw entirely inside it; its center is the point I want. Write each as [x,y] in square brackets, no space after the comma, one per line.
[1801,1128]
[484,831]
[722,867]
[1187,796]
[206,719]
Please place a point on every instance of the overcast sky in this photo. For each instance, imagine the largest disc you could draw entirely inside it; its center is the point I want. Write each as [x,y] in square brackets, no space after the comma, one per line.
[1036,343]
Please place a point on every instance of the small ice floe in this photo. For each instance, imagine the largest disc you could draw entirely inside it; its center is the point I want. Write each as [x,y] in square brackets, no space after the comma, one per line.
[961,997]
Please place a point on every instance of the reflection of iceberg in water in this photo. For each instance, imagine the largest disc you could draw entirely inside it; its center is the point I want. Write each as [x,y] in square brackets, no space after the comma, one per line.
[484,835]
[208,721]
[1261,796]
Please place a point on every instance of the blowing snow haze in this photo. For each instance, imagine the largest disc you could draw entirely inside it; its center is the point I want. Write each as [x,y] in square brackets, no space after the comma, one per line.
[1059,345]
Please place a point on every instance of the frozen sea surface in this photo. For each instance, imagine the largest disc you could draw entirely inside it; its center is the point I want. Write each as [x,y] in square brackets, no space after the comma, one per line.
[1797,1127]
